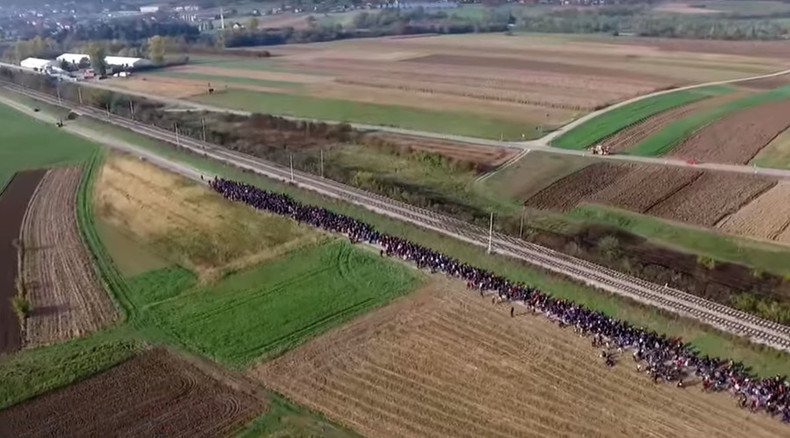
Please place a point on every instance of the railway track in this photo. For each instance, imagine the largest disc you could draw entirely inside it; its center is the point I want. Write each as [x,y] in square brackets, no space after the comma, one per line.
[721,317]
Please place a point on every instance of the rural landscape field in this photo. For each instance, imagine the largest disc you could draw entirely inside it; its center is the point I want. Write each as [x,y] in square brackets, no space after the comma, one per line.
[476,234]
[468,84]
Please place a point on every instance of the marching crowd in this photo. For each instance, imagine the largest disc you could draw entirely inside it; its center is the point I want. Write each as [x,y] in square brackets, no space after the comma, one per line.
[660,357]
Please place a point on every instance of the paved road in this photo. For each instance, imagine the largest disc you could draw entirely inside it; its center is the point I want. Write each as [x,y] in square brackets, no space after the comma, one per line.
[713,314]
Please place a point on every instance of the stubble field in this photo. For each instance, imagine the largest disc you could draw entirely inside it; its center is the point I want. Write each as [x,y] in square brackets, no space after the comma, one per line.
[446,362]
[65,293]
[525,84]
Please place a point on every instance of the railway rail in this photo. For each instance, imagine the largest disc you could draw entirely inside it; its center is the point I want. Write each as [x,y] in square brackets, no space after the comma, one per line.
[723,318]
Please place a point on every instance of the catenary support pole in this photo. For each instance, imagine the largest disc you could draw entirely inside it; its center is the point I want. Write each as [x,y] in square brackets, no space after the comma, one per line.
[292,167]
[490,232]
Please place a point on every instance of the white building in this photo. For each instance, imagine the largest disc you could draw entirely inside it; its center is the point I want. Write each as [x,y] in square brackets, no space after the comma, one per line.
[127,63]
[74,58]
[150,9]
[38,64]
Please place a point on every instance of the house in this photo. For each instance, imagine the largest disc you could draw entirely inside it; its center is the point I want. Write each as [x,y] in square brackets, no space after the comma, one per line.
[125,63]
[74,58]
[38,64]
[151,9]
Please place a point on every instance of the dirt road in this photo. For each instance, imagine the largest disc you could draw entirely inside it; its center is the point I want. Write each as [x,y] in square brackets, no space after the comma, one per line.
[13,203]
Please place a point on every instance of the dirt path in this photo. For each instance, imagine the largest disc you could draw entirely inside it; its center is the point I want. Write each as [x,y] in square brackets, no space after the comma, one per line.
[153,394]
[13,203]
[446,362]
[66,296]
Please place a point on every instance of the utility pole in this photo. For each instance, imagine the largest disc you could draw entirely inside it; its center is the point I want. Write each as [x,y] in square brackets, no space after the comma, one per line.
[203,122]
[107,107]
[178,139]
[131,108]
[322,163]
[79,93]
[292,167]
[57,87]
[490,232]
[521,227]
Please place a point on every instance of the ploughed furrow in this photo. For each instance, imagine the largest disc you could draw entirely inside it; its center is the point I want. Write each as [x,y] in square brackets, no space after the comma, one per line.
[721,317]
[153,394]
[766,217]
[65,293]
[447,362]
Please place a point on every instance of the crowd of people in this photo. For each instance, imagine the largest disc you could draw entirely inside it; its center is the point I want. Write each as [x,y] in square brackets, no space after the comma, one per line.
[662,358]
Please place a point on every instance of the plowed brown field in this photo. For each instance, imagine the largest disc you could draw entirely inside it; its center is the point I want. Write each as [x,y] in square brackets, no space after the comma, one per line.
[13,203]
[711,197]
[766,217]
[66,296]
[737,138]
[635,134]
[154,394]
[566,193]
[645,186]
[446,362]
[767,83]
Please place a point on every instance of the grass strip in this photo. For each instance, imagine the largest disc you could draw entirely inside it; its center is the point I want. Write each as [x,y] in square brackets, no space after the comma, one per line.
[446,122]
[669,137]
[610,122]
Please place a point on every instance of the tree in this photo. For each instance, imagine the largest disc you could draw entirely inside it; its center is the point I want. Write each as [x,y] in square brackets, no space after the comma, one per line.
[97,53]
[253,23]
[156,49]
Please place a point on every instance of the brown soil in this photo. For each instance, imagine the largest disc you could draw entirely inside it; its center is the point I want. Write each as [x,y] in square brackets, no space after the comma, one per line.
[154,394]
[446,362]
[566,193]
[738,137]
[13,203]
[67,298]
[533,65]
[711,197]
[639,132]
[484,156]
[645,186]
[766,217]
[767,83]
[768,49]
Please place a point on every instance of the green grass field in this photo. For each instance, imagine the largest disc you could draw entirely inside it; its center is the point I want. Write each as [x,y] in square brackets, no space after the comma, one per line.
[663,141]
[757,255]
[226,79]
[776,154]
[285,419]
[32,372]
[447,122]
[261,312]
[26,143]
[532,173]
[604,125]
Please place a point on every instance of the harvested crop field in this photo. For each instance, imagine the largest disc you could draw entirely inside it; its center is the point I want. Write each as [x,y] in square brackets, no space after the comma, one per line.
[766,83]
[738,137]
[409,370]
[711,197]
[635,134]
[61,285]
[14,200]
[645,186]
[566,193]
[188,223]
[484,156]
[154,394]
[766,217]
